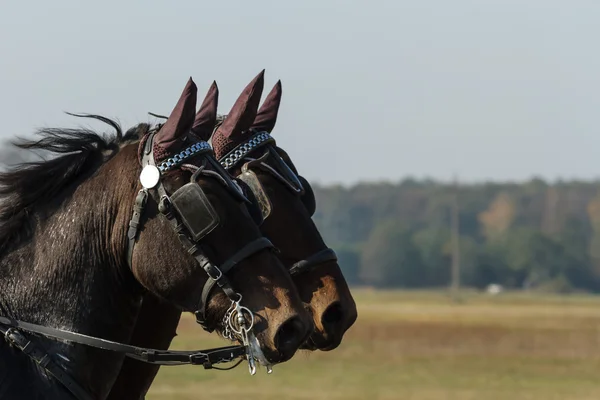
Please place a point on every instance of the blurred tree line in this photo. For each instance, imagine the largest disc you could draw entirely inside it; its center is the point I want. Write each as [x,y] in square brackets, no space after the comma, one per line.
[530,235]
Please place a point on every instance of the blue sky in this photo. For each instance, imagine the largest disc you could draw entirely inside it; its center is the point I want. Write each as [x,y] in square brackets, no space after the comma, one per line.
[373,90]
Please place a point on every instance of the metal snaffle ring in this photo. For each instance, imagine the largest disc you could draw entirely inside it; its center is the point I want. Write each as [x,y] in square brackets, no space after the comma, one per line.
[239,311]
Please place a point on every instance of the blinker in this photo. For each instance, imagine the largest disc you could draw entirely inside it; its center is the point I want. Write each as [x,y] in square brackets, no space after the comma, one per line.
[262,200]
[290,175]
[195,210]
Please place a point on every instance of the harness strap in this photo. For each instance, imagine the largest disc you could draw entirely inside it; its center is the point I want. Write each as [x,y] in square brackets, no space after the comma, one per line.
[147,157]
[44,360]
[316,259]
[134,223]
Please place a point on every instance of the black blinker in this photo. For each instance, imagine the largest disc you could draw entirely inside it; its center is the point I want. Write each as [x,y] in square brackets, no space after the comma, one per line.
[195,210]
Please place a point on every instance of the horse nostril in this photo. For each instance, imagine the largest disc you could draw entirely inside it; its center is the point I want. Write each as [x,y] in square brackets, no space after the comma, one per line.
[290,336]
[333,317]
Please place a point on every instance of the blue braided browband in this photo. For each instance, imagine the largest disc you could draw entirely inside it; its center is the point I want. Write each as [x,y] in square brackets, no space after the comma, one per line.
[195,149]
[241,151]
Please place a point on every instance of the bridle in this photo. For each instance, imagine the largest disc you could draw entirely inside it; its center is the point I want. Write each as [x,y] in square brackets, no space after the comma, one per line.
[296,183]
[192,217]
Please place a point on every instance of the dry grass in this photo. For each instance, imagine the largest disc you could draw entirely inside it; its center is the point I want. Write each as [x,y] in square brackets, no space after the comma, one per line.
[416,345]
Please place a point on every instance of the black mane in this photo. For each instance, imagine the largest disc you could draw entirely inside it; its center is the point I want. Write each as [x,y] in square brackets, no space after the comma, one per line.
[70,153]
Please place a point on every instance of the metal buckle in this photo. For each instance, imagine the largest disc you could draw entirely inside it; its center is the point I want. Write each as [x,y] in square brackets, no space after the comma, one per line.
[198,359]
[16,338]
[165,206]
[213,272]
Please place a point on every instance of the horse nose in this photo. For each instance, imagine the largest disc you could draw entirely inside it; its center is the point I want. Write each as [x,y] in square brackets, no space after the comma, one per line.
[335,322]
[290,336]
[333,319]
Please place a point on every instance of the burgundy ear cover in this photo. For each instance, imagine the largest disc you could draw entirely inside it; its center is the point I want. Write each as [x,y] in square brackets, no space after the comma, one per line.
[234,130]
[168,140]
[206,118]
[267,115]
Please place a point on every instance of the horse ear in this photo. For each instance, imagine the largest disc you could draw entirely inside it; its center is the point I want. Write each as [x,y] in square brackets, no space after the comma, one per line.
[206,118]
[168,139]
[267,115]
[243,112]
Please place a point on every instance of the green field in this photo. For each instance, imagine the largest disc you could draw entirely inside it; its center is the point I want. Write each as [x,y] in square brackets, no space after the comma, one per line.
[417,345]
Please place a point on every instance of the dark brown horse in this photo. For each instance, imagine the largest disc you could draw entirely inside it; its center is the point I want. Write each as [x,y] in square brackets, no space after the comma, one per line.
[81,243]
[287,204]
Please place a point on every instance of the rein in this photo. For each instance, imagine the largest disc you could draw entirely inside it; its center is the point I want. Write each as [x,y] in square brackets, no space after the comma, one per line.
[11,330]
[207,358]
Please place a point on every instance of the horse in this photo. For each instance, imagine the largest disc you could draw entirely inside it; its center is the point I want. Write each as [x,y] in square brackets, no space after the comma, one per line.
[85,235]
[287,204]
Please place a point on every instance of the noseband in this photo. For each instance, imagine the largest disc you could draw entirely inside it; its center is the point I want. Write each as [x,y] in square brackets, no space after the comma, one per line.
[297,184]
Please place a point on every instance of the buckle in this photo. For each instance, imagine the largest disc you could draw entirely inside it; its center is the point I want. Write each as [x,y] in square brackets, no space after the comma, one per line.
[213,272]
[164,206]
[16,338]
[199,359]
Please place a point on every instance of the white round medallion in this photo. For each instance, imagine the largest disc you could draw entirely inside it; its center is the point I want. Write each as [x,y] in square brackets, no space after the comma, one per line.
[150,176]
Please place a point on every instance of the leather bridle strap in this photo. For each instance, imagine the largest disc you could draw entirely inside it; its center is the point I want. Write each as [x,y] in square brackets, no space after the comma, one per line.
[134,223]
[323,256]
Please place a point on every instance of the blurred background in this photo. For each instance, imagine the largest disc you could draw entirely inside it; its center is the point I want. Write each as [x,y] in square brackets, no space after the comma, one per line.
[453,147]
